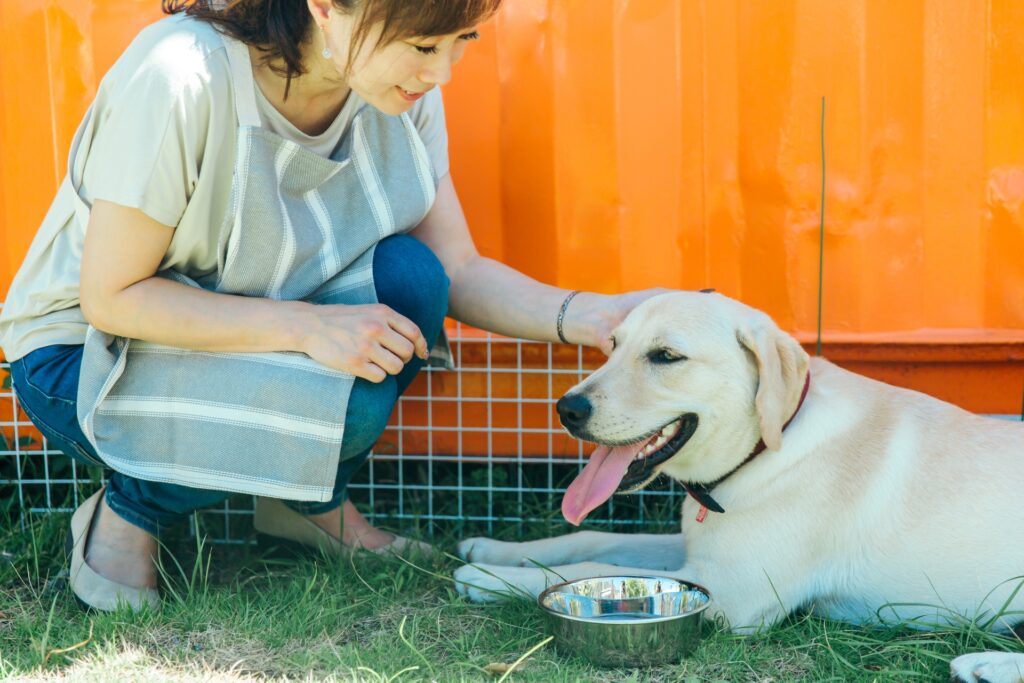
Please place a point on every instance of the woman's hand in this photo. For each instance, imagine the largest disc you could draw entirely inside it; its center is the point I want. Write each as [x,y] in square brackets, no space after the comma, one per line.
[600,314]
[370,341]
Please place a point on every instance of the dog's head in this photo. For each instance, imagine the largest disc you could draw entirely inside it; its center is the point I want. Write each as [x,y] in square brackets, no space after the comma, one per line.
[694,381]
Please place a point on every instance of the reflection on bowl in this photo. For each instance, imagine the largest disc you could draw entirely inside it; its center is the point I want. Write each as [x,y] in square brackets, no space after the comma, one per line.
[626,620]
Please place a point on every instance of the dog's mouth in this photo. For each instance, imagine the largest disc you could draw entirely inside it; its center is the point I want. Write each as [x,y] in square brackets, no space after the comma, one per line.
[659,448]
[624,468]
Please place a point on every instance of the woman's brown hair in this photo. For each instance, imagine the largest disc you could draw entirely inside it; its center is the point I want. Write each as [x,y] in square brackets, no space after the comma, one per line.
[279,27]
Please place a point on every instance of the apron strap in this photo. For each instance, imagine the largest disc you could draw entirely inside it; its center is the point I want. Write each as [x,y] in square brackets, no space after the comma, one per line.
[242,82]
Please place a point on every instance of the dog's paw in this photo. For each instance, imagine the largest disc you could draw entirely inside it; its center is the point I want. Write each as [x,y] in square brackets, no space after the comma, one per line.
[479,584]
[489,551]
[988,667]
[491,583]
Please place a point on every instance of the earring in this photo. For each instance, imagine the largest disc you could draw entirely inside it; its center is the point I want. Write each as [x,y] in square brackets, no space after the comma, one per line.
[327,51]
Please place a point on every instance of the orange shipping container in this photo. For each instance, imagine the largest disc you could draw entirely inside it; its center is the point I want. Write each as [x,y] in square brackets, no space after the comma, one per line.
[614,144]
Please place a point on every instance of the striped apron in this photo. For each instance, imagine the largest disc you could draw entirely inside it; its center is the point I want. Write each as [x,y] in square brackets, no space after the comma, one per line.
[299,227]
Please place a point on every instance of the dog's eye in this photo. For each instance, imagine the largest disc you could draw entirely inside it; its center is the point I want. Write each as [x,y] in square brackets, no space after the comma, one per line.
[665,356]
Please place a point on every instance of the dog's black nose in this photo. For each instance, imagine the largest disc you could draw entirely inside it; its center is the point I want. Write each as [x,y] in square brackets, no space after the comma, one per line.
[574,410]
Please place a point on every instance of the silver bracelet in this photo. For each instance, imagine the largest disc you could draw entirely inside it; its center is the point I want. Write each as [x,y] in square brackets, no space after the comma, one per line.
[561,315]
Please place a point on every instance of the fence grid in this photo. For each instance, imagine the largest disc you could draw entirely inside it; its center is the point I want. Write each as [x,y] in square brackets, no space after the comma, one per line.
[477,448]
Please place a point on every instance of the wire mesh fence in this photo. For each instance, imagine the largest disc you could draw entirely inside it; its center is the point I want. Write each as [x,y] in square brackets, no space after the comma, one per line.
[474,449]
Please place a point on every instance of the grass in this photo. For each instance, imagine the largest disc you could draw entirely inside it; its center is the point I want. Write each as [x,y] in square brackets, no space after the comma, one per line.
[230,614]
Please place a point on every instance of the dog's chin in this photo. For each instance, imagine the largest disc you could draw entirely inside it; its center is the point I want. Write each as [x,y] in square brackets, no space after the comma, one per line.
[645,469]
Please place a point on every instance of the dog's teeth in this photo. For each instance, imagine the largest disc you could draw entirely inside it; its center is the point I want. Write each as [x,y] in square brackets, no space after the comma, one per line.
[645,451]
[670,430]
[651,446]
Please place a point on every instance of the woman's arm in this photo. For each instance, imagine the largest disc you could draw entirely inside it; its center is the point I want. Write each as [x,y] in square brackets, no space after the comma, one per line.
[492,296]
[120,295]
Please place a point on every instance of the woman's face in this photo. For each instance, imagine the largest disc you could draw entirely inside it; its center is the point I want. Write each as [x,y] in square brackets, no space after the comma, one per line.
[394,76]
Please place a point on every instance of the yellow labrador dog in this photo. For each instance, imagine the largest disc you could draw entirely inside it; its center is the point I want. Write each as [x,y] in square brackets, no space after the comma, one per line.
[869,503]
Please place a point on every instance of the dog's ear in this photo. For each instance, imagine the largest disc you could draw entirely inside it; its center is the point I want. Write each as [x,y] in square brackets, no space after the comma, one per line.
[781,368]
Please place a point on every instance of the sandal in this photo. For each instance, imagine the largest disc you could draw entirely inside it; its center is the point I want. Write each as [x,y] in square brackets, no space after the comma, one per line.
[91,590]
[275,519]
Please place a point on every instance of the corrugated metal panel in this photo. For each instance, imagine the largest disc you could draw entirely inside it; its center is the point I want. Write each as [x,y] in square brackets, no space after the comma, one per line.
[679,143]
[613,144]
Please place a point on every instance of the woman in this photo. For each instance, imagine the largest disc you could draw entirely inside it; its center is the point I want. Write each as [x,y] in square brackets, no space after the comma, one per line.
[250,258]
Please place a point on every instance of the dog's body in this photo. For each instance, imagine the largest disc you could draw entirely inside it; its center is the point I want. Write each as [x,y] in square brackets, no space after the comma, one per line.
[880,504]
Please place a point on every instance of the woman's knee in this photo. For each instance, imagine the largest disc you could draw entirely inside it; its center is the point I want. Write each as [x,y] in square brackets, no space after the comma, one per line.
[410,279]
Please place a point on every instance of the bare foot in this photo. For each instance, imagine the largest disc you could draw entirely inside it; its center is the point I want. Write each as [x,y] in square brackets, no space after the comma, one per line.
[356,532]
[120,551]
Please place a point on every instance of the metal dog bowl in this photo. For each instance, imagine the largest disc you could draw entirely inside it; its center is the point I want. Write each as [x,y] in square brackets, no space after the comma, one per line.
[626,620]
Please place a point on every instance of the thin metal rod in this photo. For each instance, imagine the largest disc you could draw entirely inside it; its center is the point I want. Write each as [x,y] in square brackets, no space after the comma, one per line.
[821,230]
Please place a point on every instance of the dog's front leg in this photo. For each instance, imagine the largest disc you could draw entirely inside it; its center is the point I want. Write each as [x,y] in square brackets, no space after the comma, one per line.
[660,552]
[489,583]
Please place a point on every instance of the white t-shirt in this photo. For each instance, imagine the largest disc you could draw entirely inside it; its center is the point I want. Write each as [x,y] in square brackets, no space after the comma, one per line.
[159,137]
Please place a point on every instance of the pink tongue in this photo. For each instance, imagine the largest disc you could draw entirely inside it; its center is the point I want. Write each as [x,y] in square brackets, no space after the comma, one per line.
[598,481]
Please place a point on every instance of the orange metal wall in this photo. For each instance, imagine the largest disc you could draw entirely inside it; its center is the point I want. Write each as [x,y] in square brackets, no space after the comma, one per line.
[678,143]
[612,144]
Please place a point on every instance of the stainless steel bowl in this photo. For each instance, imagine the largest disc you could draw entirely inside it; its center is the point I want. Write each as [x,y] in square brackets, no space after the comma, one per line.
[626,620]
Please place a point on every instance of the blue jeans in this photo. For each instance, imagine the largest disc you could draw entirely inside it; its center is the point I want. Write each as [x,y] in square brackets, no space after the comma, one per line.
[408,278]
